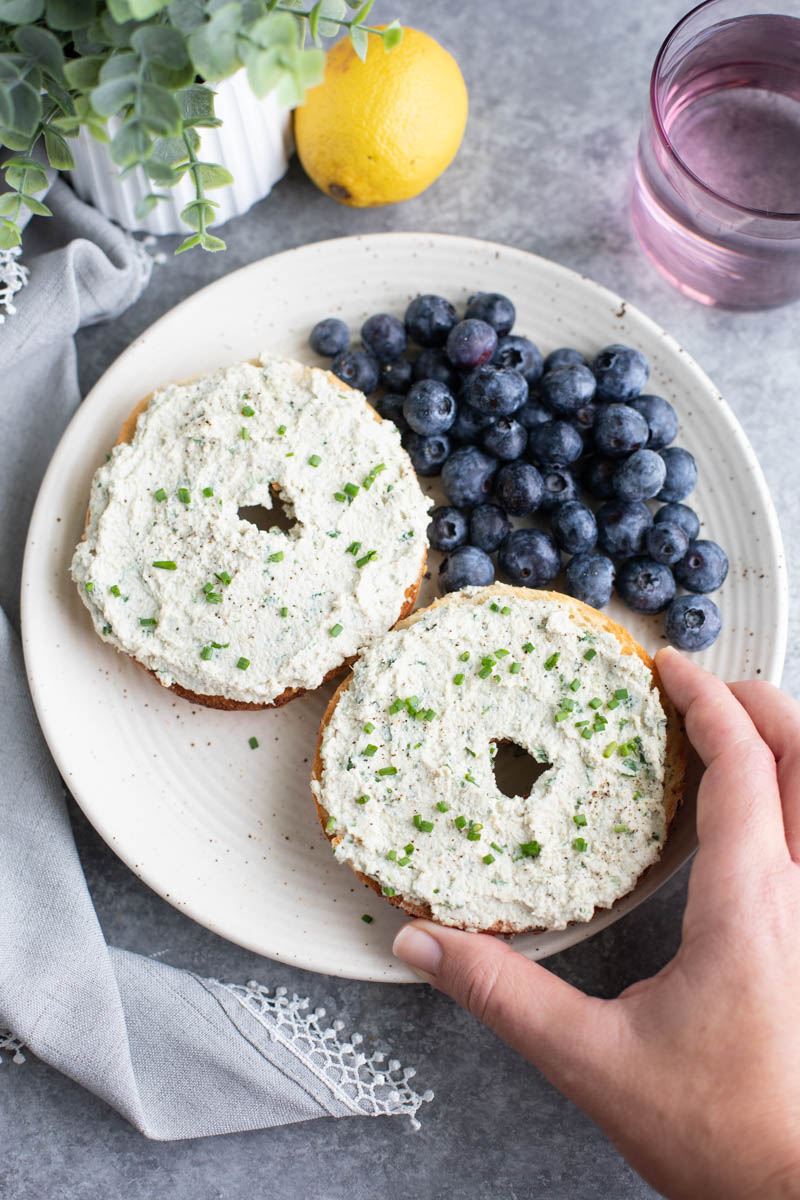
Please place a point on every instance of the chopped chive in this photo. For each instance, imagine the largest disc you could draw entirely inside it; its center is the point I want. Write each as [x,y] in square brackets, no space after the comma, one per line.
[567,704]
[530,849]
[223,577]
[551,661]
[373,475]
[613,704]
[395,706]
[281,430]
[114,590]
[411,704]
[586,733]
[351,489]
[369,750]
[244,435]
[388,891]
[460,822]
[277,556]
[149,621]
[404,861]
[314,460]
[330,825]
[388,771]
[166,564]
[391,855]
[243,664]
[488,859]
[409,848]
[208,587]
[484,671]
[366,558]
[609,750]
[208,491]
[494,607]
[595,703]
[474,831]
[579,819]
[89,586]
[505,610]
[579,844]
[353,548]
[515,668]
[284,611]
[458,680]
[580,724]
[335,630]
[247,411]
[620,829]
[205,653]
[495,846]
[340,496]
[422,826]
[160,495]
[442,807]
[528,647]
[106,630]
[220,645]
[213,598]
[589,655]
[184,495]
[429,714]
[561,716]
[621,694]
[464,657]
[366,918]
[362,799]
[575,685]
[253,743]
[501,653]
[471,753]
[368,727]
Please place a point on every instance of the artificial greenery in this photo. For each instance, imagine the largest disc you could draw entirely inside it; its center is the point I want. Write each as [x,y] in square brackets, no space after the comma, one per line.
[149,63]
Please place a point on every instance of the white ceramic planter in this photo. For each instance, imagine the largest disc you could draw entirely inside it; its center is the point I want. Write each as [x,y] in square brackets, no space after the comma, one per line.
[254,142]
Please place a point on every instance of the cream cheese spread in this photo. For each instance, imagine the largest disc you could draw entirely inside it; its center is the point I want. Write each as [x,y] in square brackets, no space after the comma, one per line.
[174,577]
[407,764]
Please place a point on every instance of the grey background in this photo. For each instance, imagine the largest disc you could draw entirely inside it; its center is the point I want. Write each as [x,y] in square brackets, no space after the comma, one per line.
[556,94]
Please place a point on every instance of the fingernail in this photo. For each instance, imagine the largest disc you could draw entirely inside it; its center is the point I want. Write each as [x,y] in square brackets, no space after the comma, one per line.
[418,950]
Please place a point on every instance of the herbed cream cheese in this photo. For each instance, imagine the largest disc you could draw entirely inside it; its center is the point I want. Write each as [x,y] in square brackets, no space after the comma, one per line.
[407,764]
[173,576]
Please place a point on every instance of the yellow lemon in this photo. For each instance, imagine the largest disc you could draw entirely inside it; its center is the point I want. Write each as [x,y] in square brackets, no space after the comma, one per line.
[382,130]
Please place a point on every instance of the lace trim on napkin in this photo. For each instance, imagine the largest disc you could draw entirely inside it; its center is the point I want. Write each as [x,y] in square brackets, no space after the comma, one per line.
[13,276]
[11,1045]
[356,1079]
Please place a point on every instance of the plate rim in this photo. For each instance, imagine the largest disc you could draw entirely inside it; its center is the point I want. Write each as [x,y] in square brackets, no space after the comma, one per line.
[83,415]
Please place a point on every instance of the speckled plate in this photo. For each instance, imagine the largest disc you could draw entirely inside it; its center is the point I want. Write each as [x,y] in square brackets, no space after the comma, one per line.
[228,834]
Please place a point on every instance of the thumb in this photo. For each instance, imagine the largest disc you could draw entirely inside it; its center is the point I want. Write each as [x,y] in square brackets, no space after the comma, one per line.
[567,1035]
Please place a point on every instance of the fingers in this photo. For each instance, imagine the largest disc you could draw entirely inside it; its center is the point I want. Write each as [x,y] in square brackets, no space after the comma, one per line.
[566,1034]
[738,804]
[776,716]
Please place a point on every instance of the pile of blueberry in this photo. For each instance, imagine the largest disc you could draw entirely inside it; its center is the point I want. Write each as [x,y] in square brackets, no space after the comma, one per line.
[512,434]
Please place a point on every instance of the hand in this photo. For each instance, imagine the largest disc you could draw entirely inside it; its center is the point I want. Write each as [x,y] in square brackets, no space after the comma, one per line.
[695,1073]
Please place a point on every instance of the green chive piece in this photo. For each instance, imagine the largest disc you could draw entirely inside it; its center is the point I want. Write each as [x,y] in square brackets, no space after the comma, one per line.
[277,556]
[586,733]
[184,495]
[422,826]
[567,704]
[89,586]
[428,715]
[220,645]
[404,861]
[281,430]
[620,829]
[351,489]
[205,653]
[223,577]
[114,590]
[353,548]
[166,564]
[442,806]
[488,859]
[362,799]
[551,661]
[621,694]
[208,587]
[579,844]
[505,610]
[373,475]
[561,716]
[388,771]
[411,704]
[530,849]
[253,743]
[314,460]
[244,435]
[147,621]
[458,680]
[595,703]
[528,647]
[368,751]
[609,750]
[335,630]
[367,919]
[247,411]
[579,819]
[330,825]
[494,607]
[460,822]
[368,727]
[243,664]
[340,496]
[613,704]
[213,598]
[515,668]
[388,891]
[484,671]
[395,706]
[160,495]
[474,832]
[284,611]
[464,657]
[495,846]
[500,653]
[208,491]
[366,558]
[575,685]
[409,849]
[391,855]
[589,655]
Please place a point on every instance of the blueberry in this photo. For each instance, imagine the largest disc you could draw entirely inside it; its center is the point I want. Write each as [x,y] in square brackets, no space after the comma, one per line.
[554,444]
[590,578]
[390,407]
[429,407]
[468,425]
[703,567]
[494,309]
[619,430]
[358,369]
[529,557]
[584,418]
[666,543]
[692,622]
[566,389]
[574,527]
[679,514]
[566,356]
[429,319]
[662,420]
[598,478]
[506,439]
[448,528]
[465,567]
[518,488]
[467,476]
[471,343]
[495,390]
[621,373]
[488,527]
[644,585]
[640,476]
[385,336]
[397,376]
[559,485]
[519,354]
[622,525]
[434,364]
[329,337]
[532,413]
[681,473]
[427,453]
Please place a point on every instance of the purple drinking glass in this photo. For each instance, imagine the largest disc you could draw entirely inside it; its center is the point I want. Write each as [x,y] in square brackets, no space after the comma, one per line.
[715,200]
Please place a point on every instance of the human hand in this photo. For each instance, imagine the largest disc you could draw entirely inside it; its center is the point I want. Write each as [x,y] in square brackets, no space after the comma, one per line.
[695,1073]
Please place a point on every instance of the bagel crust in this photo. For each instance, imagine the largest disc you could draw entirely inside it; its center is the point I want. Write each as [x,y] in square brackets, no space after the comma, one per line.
[224,613]
[593,823]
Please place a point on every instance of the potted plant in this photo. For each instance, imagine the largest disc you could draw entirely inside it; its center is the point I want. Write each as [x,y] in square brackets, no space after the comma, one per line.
[137,75]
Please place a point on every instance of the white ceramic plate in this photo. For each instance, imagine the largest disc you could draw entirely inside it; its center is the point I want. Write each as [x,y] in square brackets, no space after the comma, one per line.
[228,834]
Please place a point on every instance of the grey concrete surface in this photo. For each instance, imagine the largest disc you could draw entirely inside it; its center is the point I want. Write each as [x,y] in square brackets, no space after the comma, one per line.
[556,93]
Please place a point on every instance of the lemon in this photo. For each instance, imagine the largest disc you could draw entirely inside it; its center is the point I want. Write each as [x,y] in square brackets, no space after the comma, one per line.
[382,130]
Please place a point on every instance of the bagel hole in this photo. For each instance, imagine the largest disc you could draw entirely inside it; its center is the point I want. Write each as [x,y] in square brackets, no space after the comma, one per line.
[280,516]
[515,770]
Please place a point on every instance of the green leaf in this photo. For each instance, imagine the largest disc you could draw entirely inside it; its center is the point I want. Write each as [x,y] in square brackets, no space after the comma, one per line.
[109,98]
[187,15]
[168,151]
[211,243]
[144,9]
[36,206]
[264,70]
[214,176]
[158,110]
[120,66]
[212,47]
[160,44]
[25,178]
[9,204]
[310,67]
[9,235]
[131,144]
[333,11]
[392,36]
[13,140]
[363,12]
[314,19]
[198,213]
[61,97]
[59,154]
[120,10]
[21,12]
[290,91]
[194,240]
[6,108]
[43,47]
[67,15]
[275,29]
[197,105]
[83,73]
[360,41]
[147,204]
[12,68]
[27,106]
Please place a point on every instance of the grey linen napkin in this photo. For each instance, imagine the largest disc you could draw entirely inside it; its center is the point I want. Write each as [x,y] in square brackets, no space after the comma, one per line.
[177,1055]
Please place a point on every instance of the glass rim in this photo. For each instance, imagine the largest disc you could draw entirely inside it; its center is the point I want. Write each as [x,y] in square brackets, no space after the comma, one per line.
[763,213]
